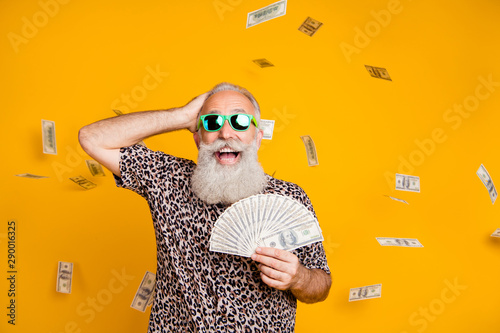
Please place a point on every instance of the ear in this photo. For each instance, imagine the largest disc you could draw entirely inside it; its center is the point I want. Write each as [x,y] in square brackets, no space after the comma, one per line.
[260,134]
[196,137]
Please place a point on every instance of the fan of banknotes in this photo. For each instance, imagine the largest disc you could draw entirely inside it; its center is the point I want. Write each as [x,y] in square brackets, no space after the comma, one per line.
[264,220]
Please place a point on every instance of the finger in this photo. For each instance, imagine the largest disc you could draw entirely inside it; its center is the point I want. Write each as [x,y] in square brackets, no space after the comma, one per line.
[270,262]
[273,273]
[276,253]
[271,282]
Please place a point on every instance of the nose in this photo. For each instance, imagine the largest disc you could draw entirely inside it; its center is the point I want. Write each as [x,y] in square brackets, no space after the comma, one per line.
[227,132]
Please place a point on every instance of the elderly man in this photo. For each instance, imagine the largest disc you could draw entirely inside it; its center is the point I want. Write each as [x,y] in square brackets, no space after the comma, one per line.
[198,290]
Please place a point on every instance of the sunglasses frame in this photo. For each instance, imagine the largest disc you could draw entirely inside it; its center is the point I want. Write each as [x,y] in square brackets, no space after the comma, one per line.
[226,117]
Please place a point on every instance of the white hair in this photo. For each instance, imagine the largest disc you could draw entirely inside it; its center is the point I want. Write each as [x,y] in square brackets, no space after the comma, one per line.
[225,86]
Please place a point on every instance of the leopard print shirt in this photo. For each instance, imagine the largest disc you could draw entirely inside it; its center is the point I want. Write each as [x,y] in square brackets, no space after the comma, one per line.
[198,290]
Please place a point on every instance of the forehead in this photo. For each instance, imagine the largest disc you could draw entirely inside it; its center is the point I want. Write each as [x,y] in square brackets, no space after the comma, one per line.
[227,102]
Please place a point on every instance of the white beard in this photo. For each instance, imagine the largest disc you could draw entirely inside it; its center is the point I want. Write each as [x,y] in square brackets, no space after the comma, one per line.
[215,183]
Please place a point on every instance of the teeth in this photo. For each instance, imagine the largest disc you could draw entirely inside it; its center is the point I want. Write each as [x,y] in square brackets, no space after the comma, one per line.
[227,150]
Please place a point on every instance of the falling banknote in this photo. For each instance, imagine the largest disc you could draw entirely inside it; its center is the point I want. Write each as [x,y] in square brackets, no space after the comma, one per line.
[95,168]
[83,182]
[268,127]
[312,156]
[31,176]
[396,199]
[403,242]
[267,13]
[49,137]
[378,72]
[486,179]
[64,277]
[263,63]
[361,293]
[145,293]
[310,26]
[496,233]
[407,183]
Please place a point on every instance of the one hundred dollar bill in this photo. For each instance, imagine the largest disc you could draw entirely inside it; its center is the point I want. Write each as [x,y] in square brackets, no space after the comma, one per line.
[496,233]
[31,176]
[263,63]
[64,277]
[152,297]
[407,183]
[312,156]
[49,137]
[143,296]
[83,182]
[403,242]
[293,238]
[396,199]
[361,293]
[310,26]
[95,168]
[378,72]
[268,127]
[488,182]
[267,13]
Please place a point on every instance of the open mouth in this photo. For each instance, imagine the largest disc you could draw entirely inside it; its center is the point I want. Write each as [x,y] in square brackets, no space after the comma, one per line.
[227,155]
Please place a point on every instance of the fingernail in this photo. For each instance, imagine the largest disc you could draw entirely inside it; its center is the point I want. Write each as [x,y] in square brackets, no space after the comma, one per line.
[258,250]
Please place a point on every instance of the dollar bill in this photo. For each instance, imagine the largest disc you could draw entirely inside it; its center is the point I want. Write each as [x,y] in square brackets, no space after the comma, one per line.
[95,168]
[267,13]
[310,26]
[403,242]
[361,293]
[31,176]
[407,183]
[264,220]
[64,277]
[152,298]
[312,156]
[378,72]
[49,137]
[145,293]
[263,63]
[83,182]
[488,182]
[293,238]
[396,199]
[496,233]
[268,127]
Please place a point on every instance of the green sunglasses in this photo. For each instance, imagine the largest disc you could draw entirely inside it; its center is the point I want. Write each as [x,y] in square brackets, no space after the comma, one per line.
[239,121]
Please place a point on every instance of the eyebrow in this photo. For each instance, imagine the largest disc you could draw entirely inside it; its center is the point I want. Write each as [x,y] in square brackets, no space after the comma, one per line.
[238,110]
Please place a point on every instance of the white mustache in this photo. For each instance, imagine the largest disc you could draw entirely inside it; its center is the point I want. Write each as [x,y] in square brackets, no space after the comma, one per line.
[218,144]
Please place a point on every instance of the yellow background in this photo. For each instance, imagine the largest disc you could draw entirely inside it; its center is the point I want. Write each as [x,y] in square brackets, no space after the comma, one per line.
[78,62]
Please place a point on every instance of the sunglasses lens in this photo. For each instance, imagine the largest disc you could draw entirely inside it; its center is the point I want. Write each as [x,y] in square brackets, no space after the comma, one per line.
[213,122]
[240,122]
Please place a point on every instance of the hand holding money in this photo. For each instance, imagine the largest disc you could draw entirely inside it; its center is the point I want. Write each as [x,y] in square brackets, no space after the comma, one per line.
[279,269]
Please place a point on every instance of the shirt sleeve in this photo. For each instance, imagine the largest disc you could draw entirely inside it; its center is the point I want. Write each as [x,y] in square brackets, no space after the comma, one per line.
[140,168]
[313,255]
